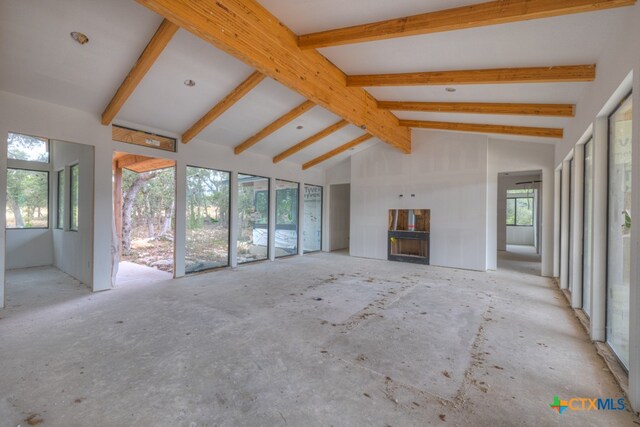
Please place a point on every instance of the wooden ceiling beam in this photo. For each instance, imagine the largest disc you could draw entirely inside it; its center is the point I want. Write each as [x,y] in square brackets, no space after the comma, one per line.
[309,141]
[475,15]
[156,45]
[551,110]
[359,140]
[227,102]
[247,31]
[556,74]
[485,128]
[274,126]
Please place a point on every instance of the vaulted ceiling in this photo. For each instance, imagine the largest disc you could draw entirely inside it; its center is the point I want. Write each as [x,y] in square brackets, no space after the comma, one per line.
[39,60]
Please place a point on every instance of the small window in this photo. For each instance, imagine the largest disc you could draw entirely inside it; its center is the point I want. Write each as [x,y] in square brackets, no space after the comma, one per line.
[29,148]
[27,199]
[60,201]
[73,196]
[520,207]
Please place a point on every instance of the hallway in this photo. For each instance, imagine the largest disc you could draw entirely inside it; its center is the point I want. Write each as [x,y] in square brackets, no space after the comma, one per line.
[371,343]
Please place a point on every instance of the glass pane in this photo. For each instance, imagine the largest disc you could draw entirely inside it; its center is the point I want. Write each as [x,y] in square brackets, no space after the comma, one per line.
[524,211]
[588,221]
[253,218]
[207,244]
[74,181]
[312,224]
[511,211]
[619,231]
[25,147]
[570,267]
[60,199]
[286,218]
[27,199]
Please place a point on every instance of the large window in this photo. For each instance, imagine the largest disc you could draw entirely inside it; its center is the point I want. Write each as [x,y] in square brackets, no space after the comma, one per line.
[588,222]
[29,148]
[207,243]
[286,218]
[520,207]
[312,224]
[253,218]
[619,231]
[60,199]
[74,181]
[27,199]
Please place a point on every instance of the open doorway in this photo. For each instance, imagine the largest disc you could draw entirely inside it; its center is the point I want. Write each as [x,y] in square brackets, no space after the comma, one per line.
[519,212]
[339,216]
[144,212]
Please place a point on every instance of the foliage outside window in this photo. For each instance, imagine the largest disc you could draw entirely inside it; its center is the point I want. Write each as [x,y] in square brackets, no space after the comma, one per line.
[520,207]
[60,200]
[253,218]
[28,148]
[74,180]
[207,243]
[27,199]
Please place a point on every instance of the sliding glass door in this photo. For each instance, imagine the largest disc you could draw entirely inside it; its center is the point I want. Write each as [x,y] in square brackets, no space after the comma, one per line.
[286,218]
[619,231]
[253,218]
[587,233]
[312,224]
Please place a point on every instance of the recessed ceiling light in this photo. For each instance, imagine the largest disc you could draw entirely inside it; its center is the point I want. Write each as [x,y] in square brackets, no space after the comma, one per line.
[189,83]
[451,89]
[299,127]
[79,37]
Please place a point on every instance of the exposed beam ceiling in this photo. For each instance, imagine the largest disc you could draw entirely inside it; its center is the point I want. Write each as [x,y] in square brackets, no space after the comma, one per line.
[553,110]
[476,15]
[140,164]
[311,140]
[227,102]
[337,151]
[274,126]
[149,55]
[557,74]
[247,31]
[485,128]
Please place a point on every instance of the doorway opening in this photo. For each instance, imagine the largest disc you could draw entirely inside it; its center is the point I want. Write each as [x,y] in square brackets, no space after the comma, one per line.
[144,214]
[519,212]
[339,217]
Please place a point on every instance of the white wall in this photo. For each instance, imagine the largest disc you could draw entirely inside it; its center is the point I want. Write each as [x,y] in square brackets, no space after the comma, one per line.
[447,172]
[32,117]
[29,248]
[520,235]
[339,216]
[73,250]
[511,156]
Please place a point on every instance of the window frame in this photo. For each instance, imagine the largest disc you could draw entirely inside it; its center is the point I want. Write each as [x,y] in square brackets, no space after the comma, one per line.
[46,140]
[515,211]
[60,207]
[321,217]
[74,227]
[48,195]
[207,270]
[289,227]
[261,225]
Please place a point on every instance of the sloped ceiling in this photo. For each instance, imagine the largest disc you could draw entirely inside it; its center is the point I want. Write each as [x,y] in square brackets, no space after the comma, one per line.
[39,60]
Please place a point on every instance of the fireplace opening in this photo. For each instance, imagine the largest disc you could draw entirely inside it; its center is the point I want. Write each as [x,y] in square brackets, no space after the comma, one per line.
[408,235]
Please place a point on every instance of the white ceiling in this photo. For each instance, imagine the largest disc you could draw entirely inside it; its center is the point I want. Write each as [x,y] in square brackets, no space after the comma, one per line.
[40,60]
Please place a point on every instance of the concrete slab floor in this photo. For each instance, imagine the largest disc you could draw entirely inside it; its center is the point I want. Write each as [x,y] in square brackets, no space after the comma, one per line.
[318,340]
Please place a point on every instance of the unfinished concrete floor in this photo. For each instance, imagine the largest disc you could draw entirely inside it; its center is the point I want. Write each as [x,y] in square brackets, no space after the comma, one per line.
[319,340]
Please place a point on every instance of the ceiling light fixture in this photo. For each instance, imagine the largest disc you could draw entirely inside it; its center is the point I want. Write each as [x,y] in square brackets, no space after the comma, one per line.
[189,83]
[451,89]
[79,37]
[299,127]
